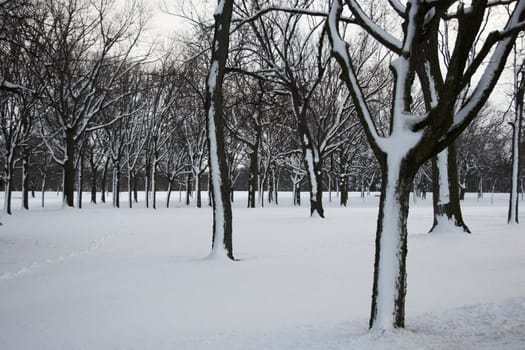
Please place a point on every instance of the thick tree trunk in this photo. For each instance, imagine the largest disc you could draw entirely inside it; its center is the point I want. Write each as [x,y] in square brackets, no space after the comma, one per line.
[69,170]
[220,187]
[389,289]
[315,179]
[445,188]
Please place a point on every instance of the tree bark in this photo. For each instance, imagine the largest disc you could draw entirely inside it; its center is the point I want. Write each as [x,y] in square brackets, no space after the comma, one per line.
[389,290]
[445,190]
[516,140]
[25,180]
[69,170]
[253,176]
[222,216]
[103,182]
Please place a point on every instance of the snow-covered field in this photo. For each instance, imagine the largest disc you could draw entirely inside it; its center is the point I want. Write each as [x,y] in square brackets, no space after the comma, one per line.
[104,278]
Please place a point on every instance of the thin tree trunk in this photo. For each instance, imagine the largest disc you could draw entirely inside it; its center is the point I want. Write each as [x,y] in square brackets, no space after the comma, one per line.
[154,183]
[198,200]
[94,175]
[8,183]
[80,180]
[170,186]
[43,188]
[252,177]
[25,181]
[516,138]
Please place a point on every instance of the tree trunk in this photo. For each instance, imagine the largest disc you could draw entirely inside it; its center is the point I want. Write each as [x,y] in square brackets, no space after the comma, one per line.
[154,183]
[8,183]
[198,198]
[103,182]
[516,138]
[188,190]
[43,187]
[116,184]
[135,189]
[252,177]
[147,184]
[446,191]
[315,179]
[389,289]
[25,180]
[343,188]
[170,186]
[94,175]
[222,215]
[130,190]
[69,170]
[80,180]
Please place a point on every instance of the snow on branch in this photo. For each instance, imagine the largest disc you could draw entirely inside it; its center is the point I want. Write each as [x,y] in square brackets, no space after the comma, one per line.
[492,39]
[340,51]
[372,28]
[492,71]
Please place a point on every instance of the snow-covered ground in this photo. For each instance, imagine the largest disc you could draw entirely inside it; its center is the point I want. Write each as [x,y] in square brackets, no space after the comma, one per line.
[104,278]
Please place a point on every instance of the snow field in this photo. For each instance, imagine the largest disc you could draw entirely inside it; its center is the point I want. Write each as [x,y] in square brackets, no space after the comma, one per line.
[104,278]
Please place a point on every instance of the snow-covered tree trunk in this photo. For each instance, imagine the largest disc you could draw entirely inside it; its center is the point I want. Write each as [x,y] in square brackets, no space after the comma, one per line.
[315,178]
[516,138]
[253,174]
[222,244]
[389,289]
[25,180]
[447,209]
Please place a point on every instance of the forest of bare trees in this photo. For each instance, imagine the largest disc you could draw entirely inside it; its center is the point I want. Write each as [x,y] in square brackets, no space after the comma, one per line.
[268,96]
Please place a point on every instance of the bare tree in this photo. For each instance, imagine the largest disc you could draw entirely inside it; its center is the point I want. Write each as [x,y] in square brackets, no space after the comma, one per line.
[414,138]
